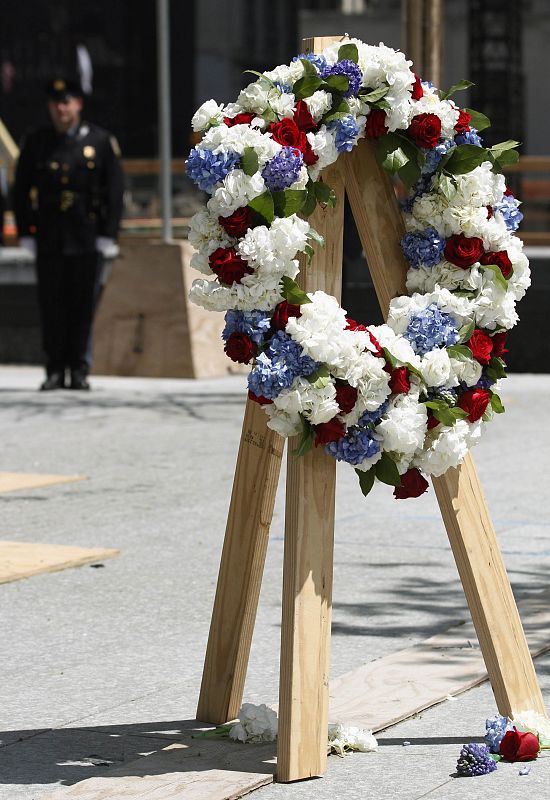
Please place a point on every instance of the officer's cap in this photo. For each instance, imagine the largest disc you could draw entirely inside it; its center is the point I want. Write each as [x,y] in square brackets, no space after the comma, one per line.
[61,88]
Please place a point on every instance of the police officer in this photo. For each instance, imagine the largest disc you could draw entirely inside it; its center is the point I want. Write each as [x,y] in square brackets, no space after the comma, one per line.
[68,204]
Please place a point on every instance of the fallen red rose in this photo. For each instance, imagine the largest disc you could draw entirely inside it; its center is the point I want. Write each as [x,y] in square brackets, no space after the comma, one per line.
[519,746]
[413,484]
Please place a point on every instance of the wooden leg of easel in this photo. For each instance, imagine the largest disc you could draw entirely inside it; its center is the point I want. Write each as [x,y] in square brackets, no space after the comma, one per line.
[487,589]
[305,636]
[241,568]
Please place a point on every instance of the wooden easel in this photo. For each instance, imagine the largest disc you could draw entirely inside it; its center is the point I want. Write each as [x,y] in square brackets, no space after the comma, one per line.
[309,527]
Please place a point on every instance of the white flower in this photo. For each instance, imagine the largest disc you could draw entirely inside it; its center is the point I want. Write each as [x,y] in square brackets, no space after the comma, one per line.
[343,738]
[318,405]
[254,97]
[532,721]
[236,190]
[210,113]
[436,367]
[235,138]
[319,328]
[404,425]
[282,103]
[445,447]
[270,249]
[318,104]
[257,723]
[281,422]
[323,144]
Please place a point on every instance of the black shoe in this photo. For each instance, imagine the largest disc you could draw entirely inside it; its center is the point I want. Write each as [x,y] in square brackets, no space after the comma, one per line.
[79,381]
[55,380]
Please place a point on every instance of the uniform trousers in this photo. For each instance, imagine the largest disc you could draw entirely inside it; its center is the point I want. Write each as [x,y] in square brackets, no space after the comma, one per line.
[68,289]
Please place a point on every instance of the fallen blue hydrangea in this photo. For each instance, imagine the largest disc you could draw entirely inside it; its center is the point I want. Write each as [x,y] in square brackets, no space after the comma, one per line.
[475,759]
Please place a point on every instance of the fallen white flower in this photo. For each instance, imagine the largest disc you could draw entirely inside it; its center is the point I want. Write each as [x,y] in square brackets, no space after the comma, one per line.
[345,738]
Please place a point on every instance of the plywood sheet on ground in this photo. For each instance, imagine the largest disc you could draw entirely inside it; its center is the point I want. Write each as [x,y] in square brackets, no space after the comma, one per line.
[375,695]
[17,481]
[23,559]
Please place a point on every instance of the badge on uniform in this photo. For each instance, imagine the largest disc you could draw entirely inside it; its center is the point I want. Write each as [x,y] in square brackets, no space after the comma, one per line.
[88,151]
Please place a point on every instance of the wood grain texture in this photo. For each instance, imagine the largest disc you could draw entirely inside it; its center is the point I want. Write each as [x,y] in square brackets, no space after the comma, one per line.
[241,568]
[24,559]
[308,553]
[463,508]
[18,481]
[487,588]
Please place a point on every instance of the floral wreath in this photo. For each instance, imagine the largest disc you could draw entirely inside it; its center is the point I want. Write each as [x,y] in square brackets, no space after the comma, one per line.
[396,401]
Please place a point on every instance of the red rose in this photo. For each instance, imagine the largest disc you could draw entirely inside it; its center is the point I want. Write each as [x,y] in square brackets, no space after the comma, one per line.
[379,352]
[489,212]
[259,398]
[474,402]
[376,124]
[352,325]
[413,484]
[463,122]
[237,223]
[425,130]
[228,265]
[481,346]
[508,192]
[417,90]
[501,259]
[399,379]
[433,422]
[287,133]
[241,119]
[240,347]
[281,314]
[346,396]
[499,344]
[463,251]
[330,431]
[519,746]
[303,118]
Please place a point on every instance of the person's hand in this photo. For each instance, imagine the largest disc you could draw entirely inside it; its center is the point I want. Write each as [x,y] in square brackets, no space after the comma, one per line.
[28,243]
[106,246]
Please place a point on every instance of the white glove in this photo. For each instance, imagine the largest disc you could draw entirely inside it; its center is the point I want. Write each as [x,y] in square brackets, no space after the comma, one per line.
[107,247]
[28,243]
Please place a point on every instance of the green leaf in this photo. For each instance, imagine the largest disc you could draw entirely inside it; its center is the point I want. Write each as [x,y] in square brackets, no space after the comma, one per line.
[306,440]
[289,201]
[386,470]
[445,415]
[348,52]
[339,109]
[316,237]
[409,174]
[249,161]
[373,95]
[264,207]
[497,272]
[292,292]
[509,144]
[309,67]
[309,83]
[395,161]
[336,83]
[383,104]
[261,76]
[498,367]
[466,331]
[478,120]
[456,87]
[389,358]
[310,201]
[462,159]
[489,414]
[495,756]
[320,378]
[309,252]
[460,352]
[505,158]
[496,403]
[366,480]
[447,185]
[325,194]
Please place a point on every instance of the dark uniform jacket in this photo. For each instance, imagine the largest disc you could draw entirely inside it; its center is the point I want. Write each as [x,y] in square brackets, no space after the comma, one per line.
[68,189]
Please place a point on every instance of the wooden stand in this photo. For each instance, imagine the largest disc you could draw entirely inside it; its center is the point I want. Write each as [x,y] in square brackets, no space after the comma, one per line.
[307,578]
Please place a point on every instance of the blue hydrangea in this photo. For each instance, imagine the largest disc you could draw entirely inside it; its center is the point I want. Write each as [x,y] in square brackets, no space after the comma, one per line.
[509,208]
[484,382]
[448,395]
[351,71]
[474,759]
[284,88]
[495,728]
[424,248]
[319,62]
[347,131]
[434,156]
[206,168]
[255,324]
[470,137]
[357,445]
[281,171]
[431,328]
[278,366]
[372,417]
